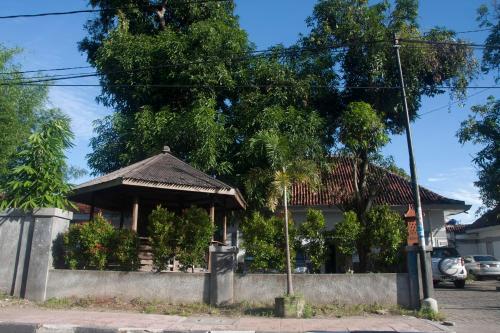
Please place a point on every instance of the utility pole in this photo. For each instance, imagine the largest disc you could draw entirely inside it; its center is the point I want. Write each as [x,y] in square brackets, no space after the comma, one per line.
[424,259]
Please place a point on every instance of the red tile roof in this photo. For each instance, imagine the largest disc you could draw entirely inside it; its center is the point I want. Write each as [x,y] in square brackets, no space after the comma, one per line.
[457,228]
[396,190]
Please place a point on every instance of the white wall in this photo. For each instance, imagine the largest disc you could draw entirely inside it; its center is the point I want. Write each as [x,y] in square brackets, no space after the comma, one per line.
[434,220]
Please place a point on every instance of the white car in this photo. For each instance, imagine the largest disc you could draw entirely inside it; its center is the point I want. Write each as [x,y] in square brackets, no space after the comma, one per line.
[482,266]
[448,265]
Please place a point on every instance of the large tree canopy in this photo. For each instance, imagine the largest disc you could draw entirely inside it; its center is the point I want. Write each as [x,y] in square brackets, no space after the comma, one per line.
[171,70]
[353,51]
[183,73]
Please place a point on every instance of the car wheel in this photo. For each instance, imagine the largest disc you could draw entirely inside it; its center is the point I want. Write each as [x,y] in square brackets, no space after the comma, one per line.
[459,284]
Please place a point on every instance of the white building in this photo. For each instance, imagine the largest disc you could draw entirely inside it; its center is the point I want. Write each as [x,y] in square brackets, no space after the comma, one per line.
[481,237]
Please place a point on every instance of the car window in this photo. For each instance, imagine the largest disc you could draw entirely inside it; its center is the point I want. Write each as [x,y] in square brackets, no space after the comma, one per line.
[485,258]
[445,252]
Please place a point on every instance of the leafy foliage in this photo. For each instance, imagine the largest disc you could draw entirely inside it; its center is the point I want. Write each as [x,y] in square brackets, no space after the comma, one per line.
[312,238]
[185,238]
[483,128]
[196,233]
[346,234]
[163,233]
[384,231]
[37,173]
[19,104]
[491,20]
[388,233]
[366,31]
[98,245]
[125,250]
[190,48]
[264,242]
[87,245]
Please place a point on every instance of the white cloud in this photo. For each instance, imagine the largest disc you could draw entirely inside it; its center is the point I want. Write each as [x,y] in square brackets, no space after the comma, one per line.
[80,105]
[436,179]
[457,183]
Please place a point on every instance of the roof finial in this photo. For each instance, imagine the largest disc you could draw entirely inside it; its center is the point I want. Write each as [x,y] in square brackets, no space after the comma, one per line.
[166,149]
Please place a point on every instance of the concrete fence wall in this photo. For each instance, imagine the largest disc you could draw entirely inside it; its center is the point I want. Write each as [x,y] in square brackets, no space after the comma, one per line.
[351,289]
[170,287]
[26,270]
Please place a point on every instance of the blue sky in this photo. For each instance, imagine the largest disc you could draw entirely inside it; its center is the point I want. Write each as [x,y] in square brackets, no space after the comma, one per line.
[443,164]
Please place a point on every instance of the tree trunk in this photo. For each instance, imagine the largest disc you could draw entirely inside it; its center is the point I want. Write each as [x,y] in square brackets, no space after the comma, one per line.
[289,285]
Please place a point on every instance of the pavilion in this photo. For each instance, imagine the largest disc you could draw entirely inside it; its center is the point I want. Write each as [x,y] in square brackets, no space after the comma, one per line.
[164,180]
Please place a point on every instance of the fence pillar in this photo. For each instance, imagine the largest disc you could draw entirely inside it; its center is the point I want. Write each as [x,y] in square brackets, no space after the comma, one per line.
[48,224]
[412,256]
[223,263]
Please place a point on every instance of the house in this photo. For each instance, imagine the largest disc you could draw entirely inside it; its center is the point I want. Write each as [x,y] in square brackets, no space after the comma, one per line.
[480,237]
[396,192]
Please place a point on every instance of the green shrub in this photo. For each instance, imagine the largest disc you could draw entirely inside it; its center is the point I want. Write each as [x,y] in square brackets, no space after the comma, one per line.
[96,244]
[185,237]
[311,238]
[196,231]
[125,250]
[164,236]
[264,242]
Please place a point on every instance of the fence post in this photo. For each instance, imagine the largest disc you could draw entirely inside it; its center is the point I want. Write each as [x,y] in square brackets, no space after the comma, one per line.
[48,224]
[223,263]
[412,256]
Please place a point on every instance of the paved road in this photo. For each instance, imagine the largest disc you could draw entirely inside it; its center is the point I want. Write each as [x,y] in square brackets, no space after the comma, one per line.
[474,309]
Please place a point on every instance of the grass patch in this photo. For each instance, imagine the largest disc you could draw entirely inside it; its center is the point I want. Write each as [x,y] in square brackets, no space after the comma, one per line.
[429,314]
[235,310]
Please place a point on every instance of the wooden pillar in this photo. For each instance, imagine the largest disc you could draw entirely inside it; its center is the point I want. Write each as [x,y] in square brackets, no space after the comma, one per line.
[92,207]
[212,219]
[135,213]
[224,228]
[122,218]
[212,215]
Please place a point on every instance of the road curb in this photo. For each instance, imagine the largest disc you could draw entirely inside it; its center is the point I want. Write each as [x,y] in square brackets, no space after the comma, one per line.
[14,327]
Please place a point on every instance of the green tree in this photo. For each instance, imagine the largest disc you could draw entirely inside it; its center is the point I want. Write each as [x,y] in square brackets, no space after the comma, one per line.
[37,173]
[363,134]
[288,160]
[19,105]
[491,19]
[191,52]
[387,232]
[311,238]
[196,231]
[346,235]
[264,241]
[384,230]
[350,46]
[483,128]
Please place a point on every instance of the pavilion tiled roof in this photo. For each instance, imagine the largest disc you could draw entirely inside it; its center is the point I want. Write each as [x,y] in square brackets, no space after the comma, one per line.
[395,191]
[165,169]
[162,171]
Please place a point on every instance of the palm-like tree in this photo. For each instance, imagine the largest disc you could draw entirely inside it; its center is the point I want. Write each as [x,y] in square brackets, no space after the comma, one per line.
[288,161]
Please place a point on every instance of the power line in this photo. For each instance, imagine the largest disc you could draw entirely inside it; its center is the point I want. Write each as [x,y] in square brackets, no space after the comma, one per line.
[246,55]
[223,86]
[80,11]
[434,42]
[453,103]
